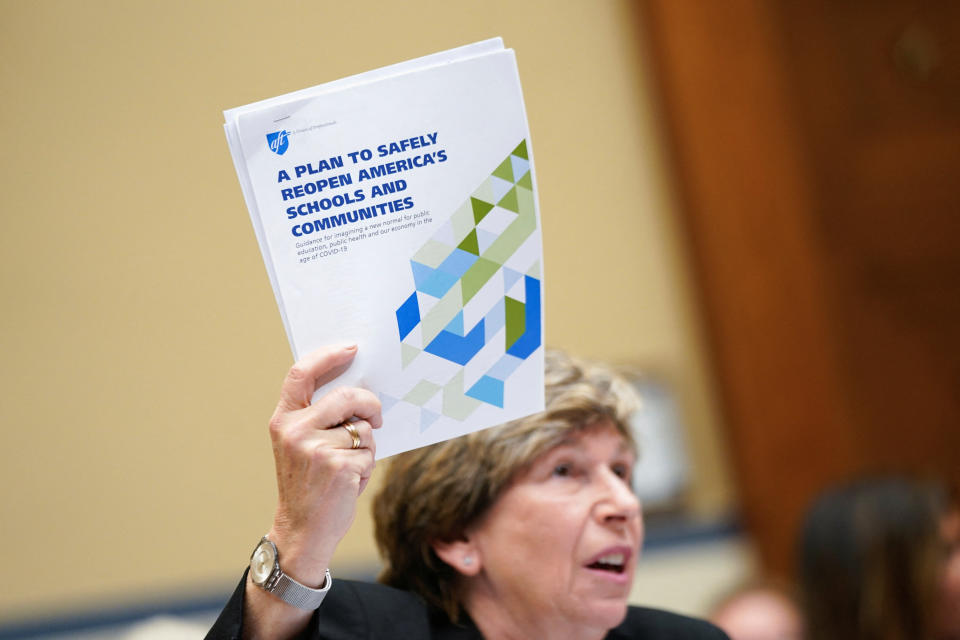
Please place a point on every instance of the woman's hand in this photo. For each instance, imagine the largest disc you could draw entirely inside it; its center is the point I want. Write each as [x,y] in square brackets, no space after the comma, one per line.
[320,474]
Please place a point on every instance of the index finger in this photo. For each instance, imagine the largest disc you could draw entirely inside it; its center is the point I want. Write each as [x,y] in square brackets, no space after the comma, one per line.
[313,371]
[345,403]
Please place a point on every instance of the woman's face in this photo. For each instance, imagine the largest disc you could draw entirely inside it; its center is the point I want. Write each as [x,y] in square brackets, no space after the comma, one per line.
[949,622]
[562,541]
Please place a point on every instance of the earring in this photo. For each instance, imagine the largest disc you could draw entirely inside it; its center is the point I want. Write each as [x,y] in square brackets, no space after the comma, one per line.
[467,561]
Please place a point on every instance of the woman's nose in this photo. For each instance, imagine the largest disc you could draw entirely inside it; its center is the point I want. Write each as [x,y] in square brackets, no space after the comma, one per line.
[619,499]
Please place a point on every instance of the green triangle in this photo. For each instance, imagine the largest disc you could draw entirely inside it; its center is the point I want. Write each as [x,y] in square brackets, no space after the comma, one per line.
[505,170]
[484,191]
[477,276]
[509,201]
[470,244]
[408,353]
[526,181]
[521,150]
[480,209]
[515,312]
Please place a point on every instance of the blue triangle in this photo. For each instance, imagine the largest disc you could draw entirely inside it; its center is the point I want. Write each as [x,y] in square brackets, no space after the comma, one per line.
[489,390]
[520,166]
[485,239]
[427,418]
[510,278]
[500,187]
[387,402]
[456,325]
[421,274]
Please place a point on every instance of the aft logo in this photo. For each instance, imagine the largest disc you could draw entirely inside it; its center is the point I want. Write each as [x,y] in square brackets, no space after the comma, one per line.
[278,142]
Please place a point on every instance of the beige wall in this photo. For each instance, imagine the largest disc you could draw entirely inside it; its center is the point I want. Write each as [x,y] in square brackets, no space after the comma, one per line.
[142,348]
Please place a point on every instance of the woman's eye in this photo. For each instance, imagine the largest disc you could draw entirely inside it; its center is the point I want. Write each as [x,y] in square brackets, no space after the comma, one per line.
[563,470]
[621,471]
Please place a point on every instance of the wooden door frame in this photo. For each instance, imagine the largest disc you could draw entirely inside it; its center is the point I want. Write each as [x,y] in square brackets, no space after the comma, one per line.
[746,196]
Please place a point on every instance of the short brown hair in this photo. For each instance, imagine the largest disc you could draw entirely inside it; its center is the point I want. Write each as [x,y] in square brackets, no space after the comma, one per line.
[435,493]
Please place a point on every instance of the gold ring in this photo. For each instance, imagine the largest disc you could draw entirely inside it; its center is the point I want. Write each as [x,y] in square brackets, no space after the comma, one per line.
[352,430]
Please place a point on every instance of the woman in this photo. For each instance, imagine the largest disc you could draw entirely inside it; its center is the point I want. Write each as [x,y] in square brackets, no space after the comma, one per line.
[879,561]
[759,609]
[528,530]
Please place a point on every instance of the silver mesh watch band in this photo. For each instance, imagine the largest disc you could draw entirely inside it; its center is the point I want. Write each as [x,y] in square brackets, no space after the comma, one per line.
[265,572]
[300,596]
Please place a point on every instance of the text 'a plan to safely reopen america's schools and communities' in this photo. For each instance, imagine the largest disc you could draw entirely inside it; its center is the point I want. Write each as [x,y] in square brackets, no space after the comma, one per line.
[319,193]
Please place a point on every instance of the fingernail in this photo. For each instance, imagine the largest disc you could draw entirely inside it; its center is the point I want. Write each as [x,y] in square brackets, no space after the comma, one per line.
[350,347]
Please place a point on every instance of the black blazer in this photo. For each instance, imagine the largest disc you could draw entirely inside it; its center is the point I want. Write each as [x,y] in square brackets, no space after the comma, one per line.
[367,611]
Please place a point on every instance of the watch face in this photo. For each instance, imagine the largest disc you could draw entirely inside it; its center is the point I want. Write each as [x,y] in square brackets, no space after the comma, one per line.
[262,562]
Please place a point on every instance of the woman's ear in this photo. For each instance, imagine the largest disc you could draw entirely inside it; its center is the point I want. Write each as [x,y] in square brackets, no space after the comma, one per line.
[461,554]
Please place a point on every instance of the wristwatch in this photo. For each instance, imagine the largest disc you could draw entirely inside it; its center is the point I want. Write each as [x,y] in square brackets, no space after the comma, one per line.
[266,573]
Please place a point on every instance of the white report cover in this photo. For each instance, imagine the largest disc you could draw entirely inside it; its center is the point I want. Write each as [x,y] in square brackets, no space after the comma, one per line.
[397,209]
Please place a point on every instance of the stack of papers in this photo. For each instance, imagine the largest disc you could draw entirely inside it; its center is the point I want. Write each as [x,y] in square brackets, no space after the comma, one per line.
[397,209]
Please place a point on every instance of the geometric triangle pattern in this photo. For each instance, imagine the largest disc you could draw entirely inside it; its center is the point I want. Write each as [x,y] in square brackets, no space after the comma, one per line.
[407,354]
[387,402]
[510,278]
[427,418]
[484,239]
[464,257]
[499,187]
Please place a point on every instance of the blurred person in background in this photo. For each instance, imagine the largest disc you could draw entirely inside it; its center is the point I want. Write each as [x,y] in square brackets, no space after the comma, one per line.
[529,530]
[759,610]
[948,616]
[880,560]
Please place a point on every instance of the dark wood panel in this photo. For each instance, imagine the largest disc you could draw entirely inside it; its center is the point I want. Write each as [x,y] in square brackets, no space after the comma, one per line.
[747,201]
[881,125]
[817,151]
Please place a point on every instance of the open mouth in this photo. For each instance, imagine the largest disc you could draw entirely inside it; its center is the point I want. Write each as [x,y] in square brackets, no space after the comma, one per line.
[612,562]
